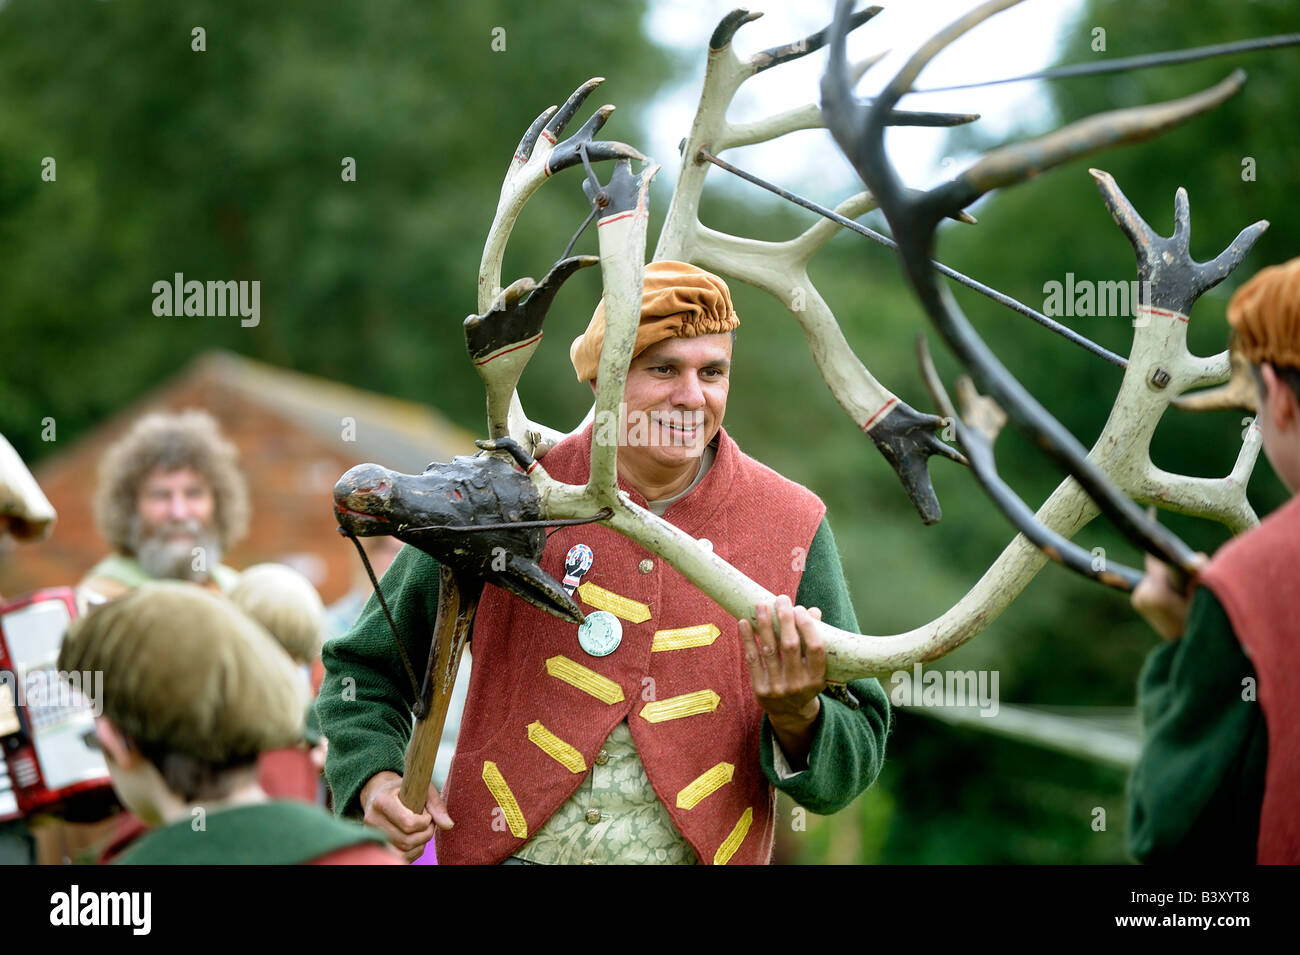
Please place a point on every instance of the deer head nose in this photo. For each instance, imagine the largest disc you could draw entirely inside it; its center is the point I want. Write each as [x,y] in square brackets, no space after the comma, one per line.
[366,488]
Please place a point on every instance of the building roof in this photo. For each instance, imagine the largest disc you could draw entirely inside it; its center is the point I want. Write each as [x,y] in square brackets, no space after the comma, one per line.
[296,435]
[402,435]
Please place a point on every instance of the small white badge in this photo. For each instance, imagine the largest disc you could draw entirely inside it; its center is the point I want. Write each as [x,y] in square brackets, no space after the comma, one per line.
[576,563]
[600,634]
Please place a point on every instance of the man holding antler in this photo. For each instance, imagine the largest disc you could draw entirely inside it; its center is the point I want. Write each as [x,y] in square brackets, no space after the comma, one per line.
[1219,775]
[657,731]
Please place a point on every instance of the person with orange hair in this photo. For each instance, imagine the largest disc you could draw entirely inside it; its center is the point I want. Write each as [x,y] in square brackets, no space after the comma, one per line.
[1218,779]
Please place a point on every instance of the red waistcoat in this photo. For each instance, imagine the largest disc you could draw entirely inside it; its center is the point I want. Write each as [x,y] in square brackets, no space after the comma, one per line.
[539,707]
[1257,580]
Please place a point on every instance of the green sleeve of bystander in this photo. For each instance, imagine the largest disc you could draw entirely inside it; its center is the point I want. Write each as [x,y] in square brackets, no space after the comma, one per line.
[1196,791]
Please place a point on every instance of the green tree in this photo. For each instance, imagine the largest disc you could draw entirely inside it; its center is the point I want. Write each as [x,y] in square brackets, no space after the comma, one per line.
[228,164]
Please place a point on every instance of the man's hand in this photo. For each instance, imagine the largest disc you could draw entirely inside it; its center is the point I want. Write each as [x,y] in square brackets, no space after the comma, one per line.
[407,831]
[787,674]
[1160,603]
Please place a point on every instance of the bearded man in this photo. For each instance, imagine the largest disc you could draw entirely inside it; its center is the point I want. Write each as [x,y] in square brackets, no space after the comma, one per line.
[171,501]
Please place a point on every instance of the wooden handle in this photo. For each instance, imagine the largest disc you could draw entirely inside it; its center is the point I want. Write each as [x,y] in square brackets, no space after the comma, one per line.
[455,619]
[421,755]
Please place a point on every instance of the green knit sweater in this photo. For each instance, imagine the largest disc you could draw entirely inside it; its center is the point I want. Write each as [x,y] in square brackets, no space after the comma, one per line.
[1196,792]
[280,832]
[365,700]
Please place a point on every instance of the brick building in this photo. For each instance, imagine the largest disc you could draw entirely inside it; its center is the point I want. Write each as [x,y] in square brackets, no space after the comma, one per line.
[296,434]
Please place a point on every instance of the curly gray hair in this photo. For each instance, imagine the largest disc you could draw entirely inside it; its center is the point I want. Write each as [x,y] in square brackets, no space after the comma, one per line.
[169,442]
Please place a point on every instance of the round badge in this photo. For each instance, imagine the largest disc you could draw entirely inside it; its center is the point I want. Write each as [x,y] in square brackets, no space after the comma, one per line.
[578,560]
[600,634]
[576,563]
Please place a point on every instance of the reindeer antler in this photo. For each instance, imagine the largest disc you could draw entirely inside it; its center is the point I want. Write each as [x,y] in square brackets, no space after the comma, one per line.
[1238,392]
[1160,366]
[906,437]
[502,340]
[1173,279]
[1122,447]
[536,159]
[25,511]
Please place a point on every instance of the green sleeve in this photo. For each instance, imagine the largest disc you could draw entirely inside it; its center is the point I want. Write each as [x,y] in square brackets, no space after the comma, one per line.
[366,697]
[1196,792]
[849,746]
[311,725]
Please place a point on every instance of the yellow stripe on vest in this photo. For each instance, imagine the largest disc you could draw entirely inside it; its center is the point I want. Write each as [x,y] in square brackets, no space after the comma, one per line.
[496,784]
[633,611]
[733,841]
[588,681]
[683,638]
[705,784]
[675,707]
[556,748]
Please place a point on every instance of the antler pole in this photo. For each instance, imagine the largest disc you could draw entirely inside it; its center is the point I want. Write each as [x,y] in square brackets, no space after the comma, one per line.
[536,159]
[1001,298]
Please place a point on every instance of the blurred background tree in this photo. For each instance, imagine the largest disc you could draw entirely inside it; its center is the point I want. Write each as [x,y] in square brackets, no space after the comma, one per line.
[226,165]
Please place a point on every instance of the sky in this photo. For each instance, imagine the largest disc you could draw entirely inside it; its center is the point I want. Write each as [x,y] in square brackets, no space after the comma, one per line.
[1020,40]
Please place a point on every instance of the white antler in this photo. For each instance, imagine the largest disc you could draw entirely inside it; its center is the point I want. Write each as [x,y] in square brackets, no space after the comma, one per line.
[781,268]
[1122,451]
[25,511]
[537,158]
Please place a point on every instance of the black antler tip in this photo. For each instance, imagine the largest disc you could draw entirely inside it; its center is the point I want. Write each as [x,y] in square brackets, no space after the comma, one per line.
[728,25]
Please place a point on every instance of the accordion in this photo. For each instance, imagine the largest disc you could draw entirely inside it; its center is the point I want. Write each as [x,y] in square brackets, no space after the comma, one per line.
[46,717]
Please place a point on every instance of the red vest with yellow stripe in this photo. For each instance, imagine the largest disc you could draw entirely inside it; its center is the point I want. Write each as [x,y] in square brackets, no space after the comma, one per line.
[539,707]
[1255,578]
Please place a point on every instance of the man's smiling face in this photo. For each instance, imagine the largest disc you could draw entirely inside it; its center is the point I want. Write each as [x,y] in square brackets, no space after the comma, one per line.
[675,399]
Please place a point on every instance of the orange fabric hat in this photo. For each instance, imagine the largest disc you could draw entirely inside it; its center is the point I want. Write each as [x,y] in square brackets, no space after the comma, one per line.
[678,300]
[1265,315]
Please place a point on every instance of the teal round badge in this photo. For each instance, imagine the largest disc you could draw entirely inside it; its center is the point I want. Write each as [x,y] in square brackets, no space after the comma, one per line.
[600,634]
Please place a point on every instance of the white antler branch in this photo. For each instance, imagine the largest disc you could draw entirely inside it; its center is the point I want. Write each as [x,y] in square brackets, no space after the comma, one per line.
[537,158]
[25,511]
[780,268]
